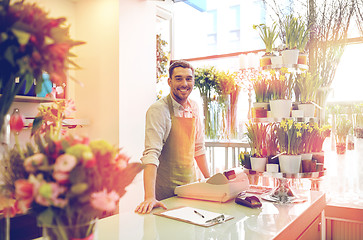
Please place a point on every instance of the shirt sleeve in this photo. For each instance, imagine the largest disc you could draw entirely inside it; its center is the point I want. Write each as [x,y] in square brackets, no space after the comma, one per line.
[199,136]
[155,130]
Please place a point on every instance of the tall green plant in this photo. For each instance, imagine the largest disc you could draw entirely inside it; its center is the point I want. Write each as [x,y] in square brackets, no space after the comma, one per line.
[256,134]
[307,86]
[268,35]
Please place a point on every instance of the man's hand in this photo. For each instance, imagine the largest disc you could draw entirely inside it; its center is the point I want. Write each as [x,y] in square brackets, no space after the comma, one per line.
[147,205]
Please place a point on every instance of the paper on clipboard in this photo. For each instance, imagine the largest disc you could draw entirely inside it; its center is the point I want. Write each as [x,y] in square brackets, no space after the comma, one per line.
[188,214]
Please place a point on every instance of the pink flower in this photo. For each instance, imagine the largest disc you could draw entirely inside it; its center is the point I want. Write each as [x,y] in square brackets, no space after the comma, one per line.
[65,163]
[104,201]
[33,162]
[88,159]
[122,160]
[23,189]
[48,194]
[61,177]
[24,192]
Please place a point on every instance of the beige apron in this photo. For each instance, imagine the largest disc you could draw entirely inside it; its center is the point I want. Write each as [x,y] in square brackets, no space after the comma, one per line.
[177,157]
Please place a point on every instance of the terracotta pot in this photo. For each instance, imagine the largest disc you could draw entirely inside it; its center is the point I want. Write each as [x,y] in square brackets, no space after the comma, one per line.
[265,61]
[302,58]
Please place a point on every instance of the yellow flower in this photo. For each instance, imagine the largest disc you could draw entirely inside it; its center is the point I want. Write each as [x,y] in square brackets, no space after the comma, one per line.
[298,125]
[305,126]
[290,122]
[273,72]
[282,77]
[284,70]
[298,134]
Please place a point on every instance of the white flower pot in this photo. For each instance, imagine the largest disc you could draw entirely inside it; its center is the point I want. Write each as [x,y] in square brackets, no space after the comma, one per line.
[280,108]
[290,163]
[290,56]
[276,61]
[258,163]
[306,156]
[297,113]
[308,108]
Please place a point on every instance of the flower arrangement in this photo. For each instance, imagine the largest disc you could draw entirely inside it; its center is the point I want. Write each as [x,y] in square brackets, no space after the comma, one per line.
[289,135]
[50,117]
[206,80]
[31,43]
[256,134]
[268,36]
[66,180]
[343,126]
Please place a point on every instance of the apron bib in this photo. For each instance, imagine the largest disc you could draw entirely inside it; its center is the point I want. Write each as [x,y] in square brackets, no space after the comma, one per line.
[177,157]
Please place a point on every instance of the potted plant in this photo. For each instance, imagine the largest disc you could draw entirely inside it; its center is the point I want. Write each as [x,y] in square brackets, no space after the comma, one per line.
[303,38]
[256,134]
[342,130]
[290,32]
[260,86]
[307,86]
[268,36]
[289,135]
[280,90]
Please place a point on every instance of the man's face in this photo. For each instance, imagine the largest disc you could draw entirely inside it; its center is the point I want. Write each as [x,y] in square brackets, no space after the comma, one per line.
[181,84]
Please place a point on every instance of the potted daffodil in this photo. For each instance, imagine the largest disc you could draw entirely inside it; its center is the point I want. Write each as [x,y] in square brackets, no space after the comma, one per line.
[256,134]
[268,36]
[306,85]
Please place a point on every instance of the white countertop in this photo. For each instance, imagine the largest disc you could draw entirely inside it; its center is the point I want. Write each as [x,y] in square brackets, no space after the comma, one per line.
[271,221]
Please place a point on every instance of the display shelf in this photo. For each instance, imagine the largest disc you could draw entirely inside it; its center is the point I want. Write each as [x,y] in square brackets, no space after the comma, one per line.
[296,119]
[19,98]
[69,123]
[288,66]
[283,193]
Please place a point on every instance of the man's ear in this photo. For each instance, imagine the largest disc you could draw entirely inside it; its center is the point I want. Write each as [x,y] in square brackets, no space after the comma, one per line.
[169,81]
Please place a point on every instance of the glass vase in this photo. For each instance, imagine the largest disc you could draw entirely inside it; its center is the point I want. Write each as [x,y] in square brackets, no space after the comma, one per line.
[85,231]
[341,144]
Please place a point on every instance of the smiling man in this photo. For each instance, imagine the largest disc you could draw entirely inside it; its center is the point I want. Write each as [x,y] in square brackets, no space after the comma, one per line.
[174,140]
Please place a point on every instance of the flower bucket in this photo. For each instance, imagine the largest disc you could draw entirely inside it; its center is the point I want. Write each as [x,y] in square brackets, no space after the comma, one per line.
[276,61]
[308,108]
[318,156]
[290,56]
[74,232]
[265,61]
[290,163]
[280,108]
[258,163]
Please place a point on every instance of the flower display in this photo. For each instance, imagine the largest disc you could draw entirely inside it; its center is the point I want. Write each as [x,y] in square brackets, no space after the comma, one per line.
[31,43]
[289,134]
[50,117]
[261,88]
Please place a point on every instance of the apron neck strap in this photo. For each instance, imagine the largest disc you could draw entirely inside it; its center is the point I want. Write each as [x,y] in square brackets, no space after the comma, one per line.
[170,104]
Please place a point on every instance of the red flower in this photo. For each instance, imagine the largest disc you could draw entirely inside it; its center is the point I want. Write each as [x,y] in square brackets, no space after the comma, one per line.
[16,121]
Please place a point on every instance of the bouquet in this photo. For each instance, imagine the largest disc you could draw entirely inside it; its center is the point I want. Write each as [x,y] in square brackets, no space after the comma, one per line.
[65,180]
[289,135]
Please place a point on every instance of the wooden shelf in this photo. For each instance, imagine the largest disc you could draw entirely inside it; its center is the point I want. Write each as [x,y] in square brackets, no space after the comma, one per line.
[19,98]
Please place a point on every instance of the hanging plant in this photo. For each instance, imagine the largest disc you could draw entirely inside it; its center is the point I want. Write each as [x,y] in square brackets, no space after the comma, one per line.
[162,58]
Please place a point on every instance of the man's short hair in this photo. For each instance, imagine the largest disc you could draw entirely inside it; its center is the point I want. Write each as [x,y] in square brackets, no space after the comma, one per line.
[179,63]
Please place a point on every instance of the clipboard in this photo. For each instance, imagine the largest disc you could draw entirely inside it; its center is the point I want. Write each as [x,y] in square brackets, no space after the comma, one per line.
[195,216]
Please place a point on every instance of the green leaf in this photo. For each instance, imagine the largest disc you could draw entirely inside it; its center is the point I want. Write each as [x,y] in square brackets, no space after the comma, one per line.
[37,123]
[29,82]
[23,37]
[46,217]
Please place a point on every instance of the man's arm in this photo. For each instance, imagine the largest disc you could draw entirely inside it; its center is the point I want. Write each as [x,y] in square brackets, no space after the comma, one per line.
[202,164]
[149,186]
